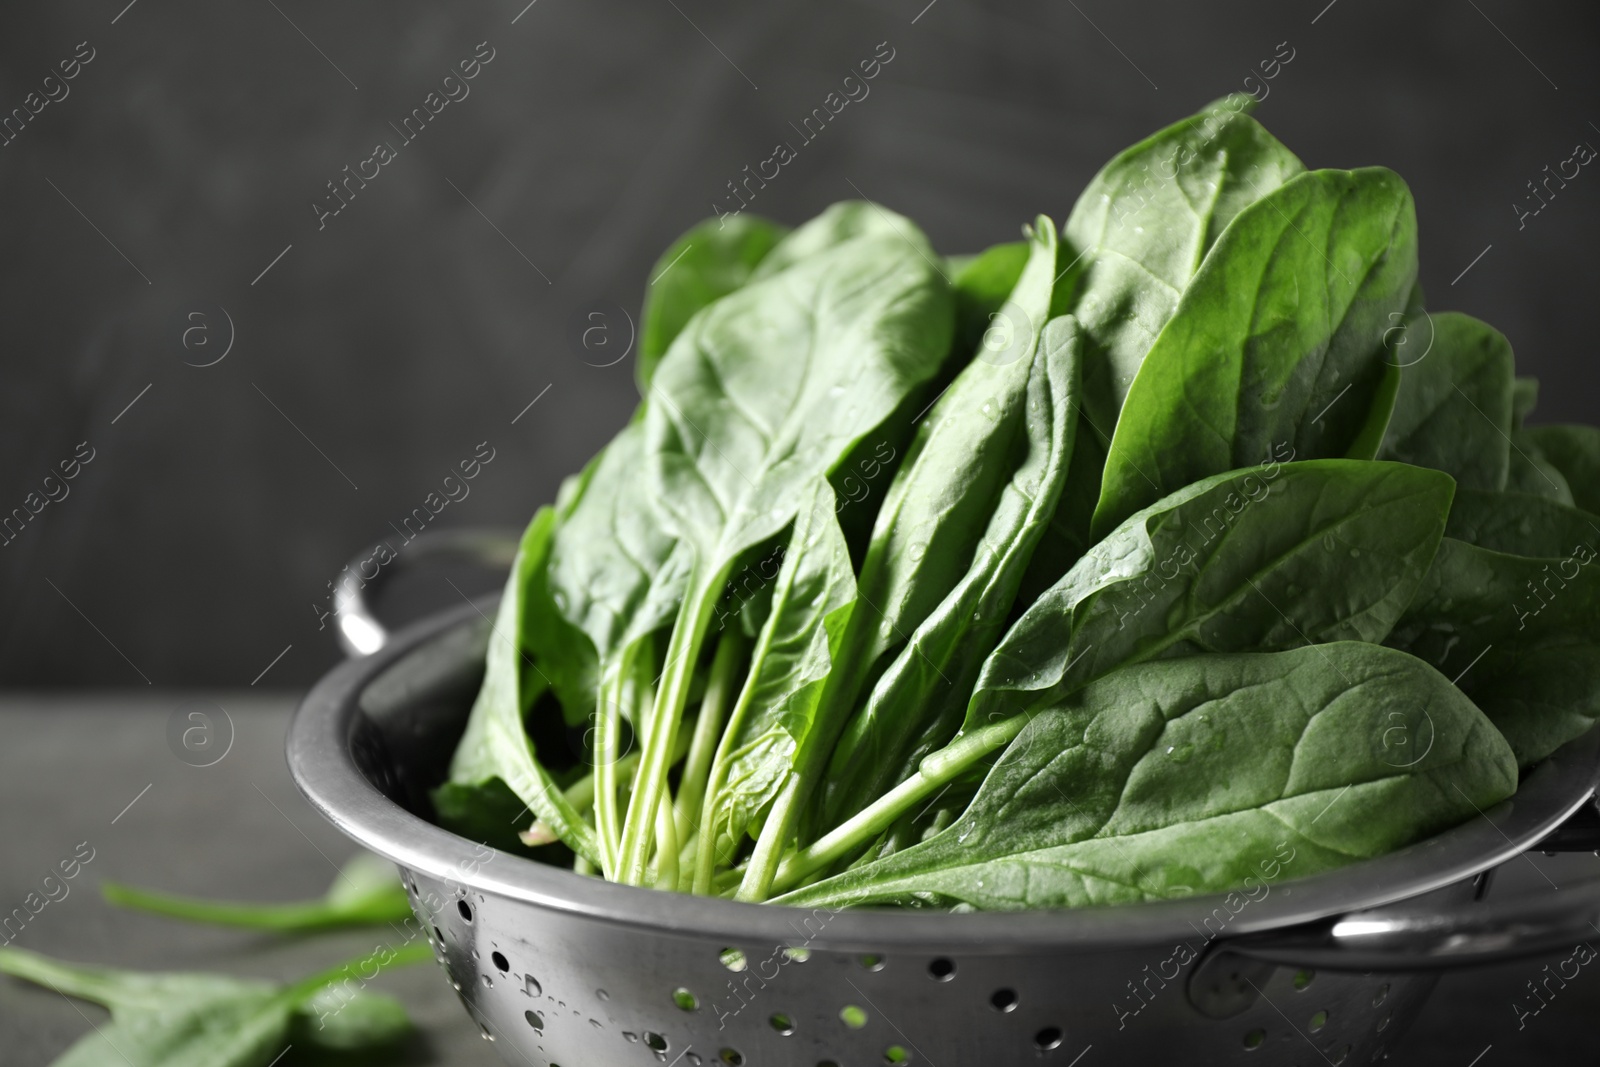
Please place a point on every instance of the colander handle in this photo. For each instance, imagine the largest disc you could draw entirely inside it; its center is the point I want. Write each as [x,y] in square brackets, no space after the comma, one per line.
[358,628]
[1413,937]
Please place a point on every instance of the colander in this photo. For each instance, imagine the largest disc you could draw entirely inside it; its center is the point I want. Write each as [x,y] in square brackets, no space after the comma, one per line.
[563,970]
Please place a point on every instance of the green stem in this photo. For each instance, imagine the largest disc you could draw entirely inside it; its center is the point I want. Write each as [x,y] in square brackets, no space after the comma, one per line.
[99,984]
[416,952]
[608,725]
[310,915]
[937,770]
[708,730]
[838,696]
[683,650]
[667,839]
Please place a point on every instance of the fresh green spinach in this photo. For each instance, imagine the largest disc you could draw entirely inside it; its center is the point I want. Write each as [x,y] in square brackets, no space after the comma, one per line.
[1180,777]
[211,1020]
[366,891]
[713,259]
[1277,340]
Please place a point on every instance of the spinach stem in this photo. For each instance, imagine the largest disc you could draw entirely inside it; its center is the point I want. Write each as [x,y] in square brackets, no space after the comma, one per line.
[666,844]
[838,695]
[936,770]
[692,787]
[607,726]
[683,650]
[415,952]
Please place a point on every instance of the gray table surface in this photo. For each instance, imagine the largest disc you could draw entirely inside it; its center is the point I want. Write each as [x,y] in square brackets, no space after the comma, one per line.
[98,769]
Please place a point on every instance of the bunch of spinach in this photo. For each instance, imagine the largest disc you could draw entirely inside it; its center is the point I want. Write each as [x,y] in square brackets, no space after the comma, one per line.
[1178,557]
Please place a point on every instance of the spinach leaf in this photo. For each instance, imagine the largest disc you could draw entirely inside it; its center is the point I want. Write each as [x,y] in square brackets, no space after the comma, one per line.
[1575,452]
[848,220]
[366,891]
[1277,340]
[981,286]
[917,704]
[613,578]
[1454,412]
[1190,775]
[495,743]
[775,716]
[1267,558]
[938,505]
[1520,635]
[1532,472]
[942,497]
[1144,224]
[1520,524]
[762,394]
[210,1020]
[713,259]
[1524,398]
[1270,557]
[1141,229]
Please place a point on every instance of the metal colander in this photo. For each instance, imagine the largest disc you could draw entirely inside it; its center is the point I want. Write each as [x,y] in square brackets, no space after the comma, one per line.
[562,970]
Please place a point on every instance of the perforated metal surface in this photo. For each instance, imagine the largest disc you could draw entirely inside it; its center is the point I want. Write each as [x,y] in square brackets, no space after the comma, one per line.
[565,971]
[553,990]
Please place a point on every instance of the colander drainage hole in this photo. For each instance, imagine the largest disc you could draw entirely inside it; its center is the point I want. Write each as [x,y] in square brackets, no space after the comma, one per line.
[1340,1056]
[655,1041]
[500,961]
[535,1020]
[1004,1000]
[896,1054]
[1254,1038]
[871,963]
[732,1057]
[1302,978]
[465,909]
[438,934]
[782,1023]
[941,970]
[1318,1021]
[1048,1038]
[854,1017]
[732,959]
[685,999]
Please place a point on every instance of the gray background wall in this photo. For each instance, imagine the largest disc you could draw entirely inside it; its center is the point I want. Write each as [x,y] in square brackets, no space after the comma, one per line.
[379,351]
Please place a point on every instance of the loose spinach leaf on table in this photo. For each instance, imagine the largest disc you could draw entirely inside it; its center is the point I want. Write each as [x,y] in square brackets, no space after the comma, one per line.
[713,259]
[1519,634]
[1178,777]
[1454,411]
[1278,340]
[367,890]
[211,1020]
[761,394]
